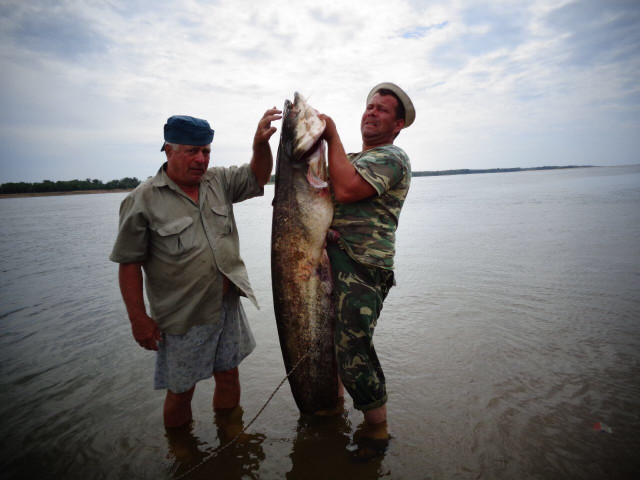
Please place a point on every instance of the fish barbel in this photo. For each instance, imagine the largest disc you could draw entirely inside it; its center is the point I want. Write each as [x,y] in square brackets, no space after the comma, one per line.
[300,268]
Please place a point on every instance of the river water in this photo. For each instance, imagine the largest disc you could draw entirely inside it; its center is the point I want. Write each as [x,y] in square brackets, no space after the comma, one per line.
[514,329]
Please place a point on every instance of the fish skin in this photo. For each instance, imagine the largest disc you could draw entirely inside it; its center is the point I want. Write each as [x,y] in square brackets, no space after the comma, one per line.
[300,268]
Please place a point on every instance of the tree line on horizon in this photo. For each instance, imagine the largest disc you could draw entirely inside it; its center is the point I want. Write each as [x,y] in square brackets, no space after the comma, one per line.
[129,183]
[68,185]
[466,171]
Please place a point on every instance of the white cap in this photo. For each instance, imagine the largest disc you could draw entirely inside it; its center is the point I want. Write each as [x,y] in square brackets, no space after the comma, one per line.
[409,110]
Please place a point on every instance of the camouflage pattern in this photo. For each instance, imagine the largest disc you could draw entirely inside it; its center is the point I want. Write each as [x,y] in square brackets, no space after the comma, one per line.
[367,228]
[358,294]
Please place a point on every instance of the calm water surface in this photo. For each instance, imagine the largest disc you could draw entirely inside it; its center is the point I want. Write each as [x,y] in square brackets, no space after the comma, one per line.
[514,328]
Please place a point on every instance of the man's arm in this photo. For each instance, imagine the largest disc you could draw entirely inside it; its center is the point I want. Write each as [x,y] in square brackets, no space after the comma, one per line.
[347,184]
[145,329]
[262,159]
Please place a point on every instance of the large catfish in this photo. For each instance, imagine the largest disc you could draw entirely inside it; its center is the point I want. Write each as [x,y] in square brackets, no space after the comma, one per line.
[300,268]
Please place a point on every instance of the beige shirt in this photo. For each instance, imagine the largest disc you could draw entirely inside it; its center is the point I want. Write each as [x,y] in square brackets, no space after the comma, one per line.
[186,248]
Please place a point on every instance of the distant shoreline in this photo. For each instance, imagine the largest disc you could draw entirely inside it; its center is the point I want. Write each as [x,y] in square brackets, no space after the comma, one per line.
[462,171]
[469,171]
[55,194]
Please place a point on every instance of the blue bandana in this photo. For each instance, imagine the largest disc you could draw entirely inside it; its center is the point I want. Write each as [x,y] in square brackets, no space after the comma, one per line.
[185,130]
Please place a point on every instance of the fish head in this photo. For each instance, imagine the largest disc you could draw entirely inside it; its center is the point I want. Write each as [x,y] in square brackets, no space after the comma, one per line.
[306,132]
[307,126]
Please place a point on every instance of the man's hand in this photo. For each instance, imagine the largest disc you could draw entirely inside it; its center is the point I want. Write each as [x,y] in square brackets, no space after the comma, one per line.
[330,130]
[145,331]
[265,130]
[262,159]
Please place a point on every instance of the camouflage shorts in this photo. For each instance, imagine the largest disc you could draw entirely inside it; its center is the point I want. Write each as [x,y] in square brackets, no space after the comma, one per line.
[359,292]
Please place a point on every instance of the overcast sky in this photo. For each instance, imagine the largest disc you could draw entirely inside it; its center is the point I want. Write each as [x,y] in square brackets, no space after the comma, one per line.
[86,86]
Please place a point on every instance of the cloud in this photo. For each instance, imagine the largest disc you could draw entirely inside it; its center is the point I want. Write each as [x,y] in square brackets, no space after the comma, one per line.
[481,29]
[595,33]
[86,87]
[421,30]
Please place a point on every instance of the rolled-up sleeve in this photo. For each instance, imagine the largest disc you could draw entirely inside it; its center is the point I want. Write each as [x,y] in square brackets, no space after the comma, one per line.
[131,245]
[242,183]
[382,167]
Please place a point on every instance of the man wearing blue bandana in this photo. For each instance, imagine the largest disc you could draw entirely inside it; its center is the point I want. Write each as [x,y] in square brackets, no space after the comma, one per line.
[179,229]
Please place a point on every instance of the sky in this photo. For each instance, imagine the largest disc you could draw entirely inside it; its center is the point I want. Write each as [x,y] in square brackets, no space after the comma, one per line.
[86,86]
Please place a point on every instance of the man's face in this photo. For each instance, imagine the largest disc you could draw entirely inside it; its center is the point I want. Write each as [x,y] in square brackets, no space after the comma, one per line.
[379,124]
[188,164]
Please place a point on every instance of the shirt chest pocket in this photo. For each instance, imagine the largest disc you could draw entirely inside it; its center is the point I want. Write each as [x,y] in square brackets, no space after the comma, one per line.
[176,237]
[222,219]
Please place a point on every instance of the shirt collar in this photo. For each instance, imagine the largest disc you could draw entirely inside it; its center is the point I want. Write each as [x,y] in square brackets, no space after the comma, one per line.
[162,179]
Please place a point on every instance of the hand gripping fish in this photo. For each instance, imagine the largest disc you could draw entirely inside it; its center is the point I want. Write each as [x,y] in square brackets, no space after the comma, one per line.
[300,268]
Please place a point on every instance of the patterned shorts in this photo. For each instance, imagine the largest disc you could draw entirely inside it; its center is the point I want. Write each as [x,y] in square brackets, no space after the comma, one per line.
[184,360]
[359,292]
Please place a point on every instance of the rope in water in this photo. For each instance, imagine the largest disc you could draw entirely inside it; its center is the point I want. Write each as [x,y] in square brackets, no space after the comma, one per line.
[220,448]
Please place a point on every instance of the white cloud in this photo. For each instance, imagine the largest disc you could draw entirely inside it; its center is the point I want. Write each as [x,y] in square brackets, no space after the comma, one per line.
[506,84]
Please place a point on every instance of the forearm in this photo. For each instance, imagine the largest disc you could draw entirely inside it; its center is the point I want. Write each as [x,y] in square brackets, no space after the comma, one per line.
[262,158]
[144,328]
[347,184]
[262,162]
[341,171]
[131,284]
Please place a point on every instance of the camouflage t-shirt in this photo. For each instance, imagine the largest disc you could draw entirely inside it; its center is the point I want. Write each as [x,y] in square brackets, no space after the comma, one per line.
[368,228]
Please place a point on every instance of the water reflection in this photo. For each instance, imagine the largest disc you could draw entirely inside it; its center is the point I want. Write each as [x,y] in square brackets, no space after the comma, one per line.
[324,447]
[240,459]
[370,442]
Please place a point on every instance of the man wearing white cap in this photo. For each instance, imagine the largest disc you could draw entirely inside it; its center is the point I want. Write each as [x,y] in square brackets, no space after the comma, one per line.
[369,189]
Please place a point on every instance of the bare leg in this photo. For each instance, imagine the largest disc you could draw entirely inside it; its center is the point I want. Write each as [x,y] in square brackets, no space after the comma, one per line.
[376,415]
[226,394]
[177,408]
